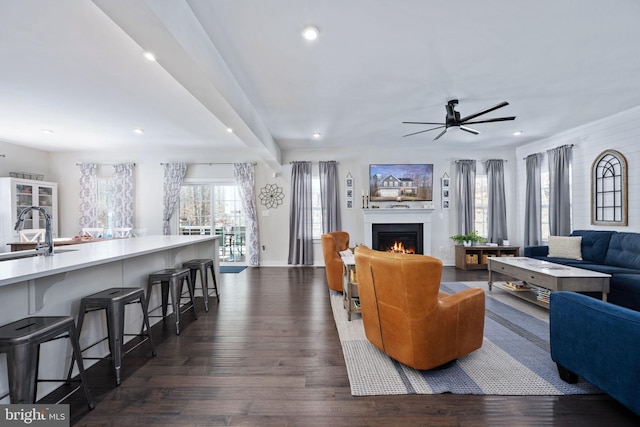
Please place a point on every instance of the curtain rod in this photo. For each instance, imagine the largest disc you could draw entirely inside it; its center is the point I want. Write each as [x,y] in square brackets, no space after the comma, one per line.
[534,154]
[292,162]
[212,163]
[107,164]
[480,160]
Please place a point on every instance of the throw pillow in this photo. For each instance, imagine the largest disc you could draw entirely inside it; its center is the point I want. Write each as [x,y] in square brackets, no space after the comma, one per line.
[565,247]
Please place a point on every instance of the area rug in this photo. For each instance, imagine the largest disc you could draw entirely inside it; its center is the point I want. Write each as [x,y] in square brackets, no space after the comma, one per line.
[514,358]
[232,268]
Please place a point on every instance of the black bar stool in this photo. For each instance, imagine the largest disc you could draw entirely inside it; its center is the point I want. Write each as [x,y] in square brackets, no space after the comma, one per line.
[172,279]
[114,300]
[21,341]
[203,266]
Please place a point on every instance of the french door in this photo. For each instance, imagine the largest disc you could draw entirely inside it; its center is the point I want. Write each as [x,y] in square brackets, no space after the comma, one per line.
[215,208]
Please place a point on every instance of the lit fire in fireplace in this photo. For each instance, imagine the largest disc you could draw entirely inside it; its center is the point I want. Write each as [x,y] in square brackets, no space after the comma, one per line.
[398,247]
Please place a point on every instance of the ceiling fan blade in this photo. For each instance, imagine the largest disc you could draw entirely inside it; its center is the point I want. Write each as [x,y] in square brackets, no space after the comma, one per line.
[467,129]
[441,133]
[497,119]
[423,123]
[426,130]
[488,110]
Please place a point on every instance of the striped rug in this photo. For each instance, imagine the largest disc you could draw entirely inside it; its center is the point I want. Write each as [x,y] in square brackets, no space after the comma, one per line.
[513,360]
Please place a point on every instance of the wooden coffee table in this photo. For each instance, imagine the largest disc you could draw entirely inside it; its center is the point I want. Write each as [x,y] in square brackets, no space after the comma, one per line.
[547,275]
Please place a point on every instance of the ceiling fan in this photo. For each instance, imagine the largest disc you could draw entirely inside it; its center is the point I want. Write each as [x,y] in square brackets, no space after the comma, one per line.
[453,119]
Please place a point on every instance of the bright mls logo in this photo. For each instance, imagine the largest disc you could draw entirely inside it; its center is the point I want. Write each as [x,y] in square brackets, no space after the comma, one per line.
[34,415]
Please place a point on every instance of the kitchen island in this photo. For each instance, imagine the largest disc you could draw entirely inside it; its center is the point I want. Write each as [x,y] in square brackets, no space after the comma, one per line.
[54,285]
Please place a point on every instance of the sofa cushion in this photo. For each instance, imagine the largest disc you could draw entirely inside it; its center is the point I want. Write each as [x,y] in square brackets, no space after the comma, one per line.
[595,244]
[601,268]
[625,290]
[565,247]
[624,250]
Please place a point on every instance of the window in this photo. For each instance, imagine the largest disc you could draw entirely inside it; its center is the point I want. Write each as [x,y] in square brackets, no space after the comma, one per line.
[481,206]
[106,206]
[215,208]
[316,208]
[544,205]
[609,189]
[195,209]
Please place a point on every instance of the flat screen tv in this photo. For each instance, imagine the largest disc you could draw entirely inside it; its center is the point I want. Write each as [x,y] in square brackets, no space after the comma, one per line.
[401,182]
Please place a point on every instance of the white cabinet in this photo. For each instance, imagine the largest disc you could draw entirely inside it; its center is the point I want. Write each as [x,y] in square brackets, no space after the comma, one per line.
[16,194]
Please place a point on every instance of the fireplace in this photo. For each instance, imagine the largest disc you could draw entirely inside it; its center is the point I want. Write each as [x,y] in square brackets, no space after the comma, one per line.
[403,237]
[399,217]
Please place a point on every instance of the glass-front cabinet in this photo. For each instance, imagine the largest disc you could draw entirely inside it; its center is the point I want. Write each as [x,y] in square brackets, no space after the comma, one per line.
[18,194]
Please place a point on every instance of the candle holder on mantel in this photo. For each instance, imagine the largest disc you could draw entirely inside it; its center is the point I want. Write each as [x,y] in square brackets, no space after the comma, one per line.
[365,202]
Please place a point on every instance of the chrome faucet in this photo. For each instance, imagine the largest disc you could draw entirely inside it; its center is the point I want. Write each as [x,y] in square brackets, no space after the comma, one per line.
[48,235]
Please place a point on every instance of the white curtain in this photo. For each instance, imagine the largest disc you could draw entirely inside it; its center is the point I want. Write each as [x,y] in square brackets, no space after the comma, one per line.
[300,215]
[88,196]
[123,195]
[330,196]
[245,179]
[173,177]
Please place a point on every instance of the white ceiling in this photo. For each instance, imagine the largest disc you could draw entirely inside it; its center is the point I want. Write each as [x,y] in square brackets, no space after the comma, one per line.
[76,67]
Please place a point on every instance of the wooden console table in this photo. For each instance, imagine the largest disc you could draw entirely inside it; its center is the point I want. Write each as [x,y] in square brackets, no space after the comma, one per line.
[476,257]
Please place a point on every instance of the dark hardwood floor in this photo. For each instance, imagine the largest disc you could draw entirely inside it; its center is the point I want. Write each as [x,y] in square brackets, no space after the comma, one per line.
[269,355]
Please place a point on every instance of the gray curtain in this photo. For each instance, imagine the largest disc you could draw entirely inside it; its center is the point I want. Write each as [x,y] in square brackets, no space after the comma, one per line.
[330,196]
[300,219]
[173,177]
[559,191]
[497,208]
[245,179]
[533,201]
[465,195]
[123,195]
[88,196]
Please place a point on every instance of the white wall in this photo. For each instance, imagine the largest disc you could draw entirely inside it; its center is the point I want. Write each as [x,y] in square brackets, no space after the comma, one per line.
[22,159]
[356,162]
[618,132]
[274,228]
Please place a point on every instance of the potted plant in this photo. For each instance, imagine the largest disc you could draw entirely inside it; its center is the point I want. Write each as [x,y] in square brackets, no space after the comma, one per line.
[468,239]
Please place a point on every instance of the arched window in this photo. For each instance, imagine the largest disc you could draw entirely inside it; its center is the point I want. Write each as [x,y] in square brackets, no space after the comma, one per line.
[609,189]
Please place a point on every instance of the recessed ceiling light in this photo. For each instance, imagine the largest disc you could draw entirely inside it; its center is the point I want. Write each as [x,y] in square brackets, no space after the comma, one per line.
[310,32]
[150,56]
[229,130]
[517,133]
[47,131]
[138,131]
[317,135]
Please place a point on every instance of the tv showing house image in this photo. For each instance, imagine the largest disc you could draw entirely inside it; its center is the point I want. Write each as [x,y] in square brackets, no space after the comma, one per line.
[401,182]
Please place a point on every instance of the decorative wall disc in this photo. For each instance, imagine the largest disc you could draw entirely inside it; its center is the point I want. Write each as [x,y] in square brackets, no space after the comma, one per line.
[271,196]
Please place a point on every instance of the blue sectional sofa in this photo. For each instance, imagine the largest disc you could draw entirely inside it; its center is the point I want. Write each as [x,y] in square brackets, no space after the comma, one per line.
[608,252]
[597,341]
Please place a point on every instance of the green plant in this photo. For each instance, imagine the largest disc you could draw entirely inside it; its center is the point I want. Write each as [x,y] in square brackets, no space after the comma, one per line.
[469,237]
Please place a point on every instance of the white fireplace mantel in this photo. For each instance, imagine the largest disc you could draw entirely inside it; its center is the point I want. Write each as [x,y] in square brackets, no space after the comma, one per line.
[398,216]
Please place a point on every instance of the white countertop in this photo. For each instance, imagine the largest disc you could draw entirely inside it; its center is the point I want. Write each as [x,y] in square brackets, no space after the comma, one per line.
[69,258]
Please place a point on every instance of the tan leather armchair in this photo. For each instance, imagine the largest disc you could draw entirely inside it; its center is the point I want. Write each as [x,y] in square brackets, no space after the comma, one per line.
[332,244]
[407,317]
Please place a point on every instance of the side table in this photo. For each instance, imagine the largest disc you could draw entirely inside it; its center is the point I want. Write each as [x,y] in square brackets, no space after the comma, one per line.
[351,298]
[476,257]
